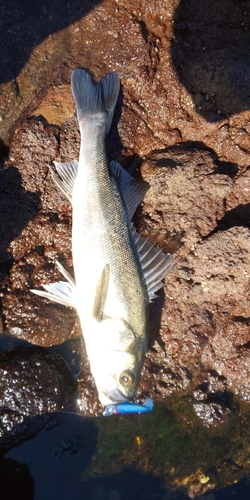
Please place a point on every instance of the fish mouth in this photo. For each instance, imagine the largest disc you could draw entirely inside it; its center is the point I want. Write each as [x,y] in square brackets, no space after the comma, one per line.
[116,396]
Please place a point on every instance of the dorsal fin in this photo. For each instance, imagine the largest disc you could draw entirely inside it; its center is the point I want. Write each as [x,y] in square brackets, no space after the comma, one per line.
[155,263]
[132,191]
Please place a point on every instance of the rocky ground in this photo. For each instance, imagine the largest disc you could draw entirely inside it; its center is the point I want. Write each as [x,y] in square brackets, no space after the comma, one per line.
[183,114]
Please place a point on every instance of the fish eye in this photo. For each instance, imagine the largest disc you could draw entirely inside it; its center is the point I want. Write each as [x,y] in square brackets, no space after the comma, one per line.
[126,378]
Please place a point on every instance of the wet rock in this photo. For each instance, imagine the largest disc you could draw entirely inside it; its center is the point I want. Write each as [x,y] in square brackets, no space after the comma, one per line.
[43,324]
[42,241]
[212,413]
[211,383]
[25,67]
[184,71]
[212,403]
[203,317]
[17,207]
[198,204]
[210,52]
[33,384]
[203,307]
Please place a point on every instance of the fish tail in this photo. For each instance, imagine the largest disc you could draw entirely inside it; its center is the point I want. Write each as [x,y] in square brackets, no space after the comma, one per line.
[92,97]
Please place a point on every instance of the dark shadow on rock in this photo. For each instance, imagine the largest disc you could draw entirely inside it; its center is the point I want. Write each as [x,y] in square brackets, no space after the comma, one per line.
[70,351]
[238,216]
[15,480]
[115,148]
[211,55]
[4,150]
[223,167]
[17,207]
[9,342]
[155,314]
[25,25]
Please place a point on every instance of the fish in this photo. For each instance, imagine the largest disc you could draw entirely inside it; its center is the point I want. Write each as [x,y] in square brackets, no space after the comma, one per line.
[117,271]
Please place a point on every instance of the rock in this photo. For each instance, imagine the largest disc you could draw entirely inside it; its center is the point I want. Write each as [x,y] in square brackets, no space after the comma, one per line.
[203,308]
[39,323]
[209,53]
[35,245]
[204,315]
[177,85]
[212,413]
[212,403]
[33,384]
[184,110]
[187,196]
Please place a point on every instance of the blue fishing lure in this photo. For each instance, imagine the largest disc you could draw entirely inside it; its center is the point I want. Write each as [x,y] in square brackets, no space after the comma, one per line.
[121,408]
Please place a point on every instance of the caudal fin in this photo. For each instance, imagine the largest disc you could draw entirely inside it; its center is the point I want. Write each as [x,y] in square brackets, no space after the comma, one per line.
[92,97]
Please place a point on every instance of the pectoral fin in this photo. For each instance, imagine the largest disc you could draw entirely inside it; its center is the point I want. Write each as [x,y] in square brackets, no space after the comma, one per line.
[101,294]
[61,292]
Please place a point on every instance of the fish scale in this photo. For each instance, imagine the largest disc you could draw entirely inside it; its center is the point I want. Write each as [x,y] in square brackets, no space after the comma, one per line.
[95,192]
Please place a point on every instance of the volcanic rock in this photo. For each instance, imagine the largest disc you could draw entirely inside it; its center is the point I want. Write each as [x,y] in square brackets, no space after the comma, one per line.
[183,114]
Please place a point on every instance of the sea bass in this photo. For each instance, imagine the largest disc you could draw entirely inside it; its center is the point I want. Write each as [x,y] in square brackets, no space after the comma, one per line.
[117,272]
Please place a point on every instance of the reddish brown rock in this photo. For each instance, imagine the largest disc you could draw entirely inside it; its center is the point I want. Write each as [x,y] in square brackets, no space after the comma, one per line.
[177,85]
[41,324]
[189,104]
[204,321]
[240,194]
[187,196]
[200,320]
[35,244]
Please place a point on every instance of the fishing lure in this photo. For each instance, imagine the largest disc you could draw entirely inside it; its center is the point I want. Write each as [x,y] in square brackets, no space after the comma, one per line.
[120,408]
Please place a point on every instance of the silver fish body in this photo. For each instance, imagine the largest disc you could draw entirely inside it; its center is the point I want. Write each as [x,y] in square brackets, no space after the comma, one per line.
[105,261]
[116,271]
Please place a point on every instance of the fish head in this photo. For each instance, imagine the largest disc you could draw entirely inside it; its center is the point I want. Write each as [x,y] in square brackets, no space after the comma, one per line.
[116,364]
[122,378]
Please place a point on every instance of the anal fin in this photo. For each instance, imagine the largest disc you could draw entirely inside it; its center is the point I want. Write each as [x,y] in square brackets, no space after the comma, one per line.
[64,176]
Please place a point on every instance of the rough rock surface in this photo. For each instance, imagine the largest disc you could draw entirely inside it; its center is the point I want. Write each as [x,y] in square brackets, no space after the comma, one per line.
[200,321]
[205,316]
[33,384]
[206,308]
[184,68]
[184,105]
